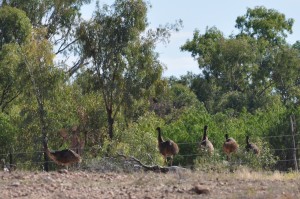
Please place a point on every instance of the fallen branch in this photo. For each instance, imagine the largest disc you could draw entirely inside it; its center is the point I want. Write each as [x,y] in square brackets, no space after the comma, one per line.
[155,168]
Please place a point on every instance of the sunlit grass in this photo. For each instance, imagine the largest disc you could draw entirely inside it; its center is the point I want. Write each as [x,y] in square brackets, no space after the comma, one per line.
[246,174]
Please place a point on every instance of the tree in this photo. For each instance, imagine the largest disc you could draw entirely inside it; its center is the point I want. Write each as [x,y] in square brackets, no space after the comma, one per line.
[59,17]
[242,68]
[286,75]
[37,56]
[7,134]
[279,63]
[228,65]
[229,61]
[296,45]
[268,24]
[106,40]
[11,81]
[124,64]
[15,28]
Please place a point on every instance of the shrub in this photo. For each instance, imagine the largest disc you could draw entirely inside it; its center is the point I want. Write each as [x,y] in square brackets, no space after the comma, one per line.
[7,134]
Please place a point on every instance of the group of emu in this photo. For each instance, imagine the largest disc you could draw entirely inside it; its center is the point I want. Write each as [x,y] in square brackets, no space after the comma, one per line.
[167,148]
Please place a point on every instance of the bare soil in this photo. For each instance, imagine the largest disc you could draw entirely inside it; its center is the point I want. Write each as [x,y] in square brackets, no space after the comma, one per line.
[183,184]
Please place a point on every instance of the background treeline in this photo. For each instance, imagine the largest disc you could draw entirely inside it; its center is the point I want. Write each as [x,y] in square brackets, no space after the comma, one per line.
[96,86]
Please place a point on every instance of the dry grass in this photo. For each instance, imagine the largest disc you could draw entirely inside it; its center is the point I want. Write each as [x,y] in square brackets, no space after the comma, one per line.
[267,176]
[182,184]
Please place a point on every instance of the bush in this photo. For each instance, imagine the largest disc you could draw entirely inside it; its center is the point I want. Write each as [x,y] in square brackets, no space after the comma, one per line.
[7,134]
[216,162]
[138,140]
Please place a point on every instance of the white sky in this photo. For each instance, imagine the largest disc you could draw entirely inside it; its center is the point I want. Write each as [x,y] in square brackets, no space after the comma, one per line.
[199,14]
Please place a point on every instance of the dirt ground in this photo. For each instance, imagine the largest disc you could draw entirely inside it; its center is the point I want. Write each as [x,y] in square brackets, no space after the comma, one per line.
[180,184]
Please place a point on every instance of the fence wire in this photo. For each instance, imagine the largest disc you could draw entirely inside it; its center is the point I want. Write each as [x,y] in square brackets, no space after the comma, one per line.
[18,153]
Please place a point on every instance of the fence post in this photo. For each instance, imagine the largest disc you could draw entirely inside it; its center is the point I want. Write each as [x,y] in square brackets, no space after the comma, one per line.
[10,160]
[293,126]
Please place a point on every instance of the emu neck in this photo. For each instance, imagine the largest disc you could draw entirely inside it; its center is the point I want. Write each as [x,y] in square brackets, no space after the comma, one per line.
[159,136]
[226,136]
[247,140]
[204,134]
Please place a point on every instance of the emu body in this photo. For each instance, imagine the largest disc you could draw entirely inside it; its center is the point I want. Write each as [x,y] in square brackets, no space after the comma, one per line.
[167,148]
[64,157]
[205,143]
[251,146]
[230,146]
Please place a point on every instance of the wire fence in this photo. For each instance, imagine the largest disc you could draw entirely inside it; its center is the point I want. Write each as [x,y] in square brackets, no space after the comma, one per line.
[15,154]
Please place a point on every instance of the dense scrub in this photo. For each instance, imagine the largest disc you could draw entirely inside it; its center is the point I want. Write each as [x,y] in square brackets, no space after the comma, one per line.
[113,97]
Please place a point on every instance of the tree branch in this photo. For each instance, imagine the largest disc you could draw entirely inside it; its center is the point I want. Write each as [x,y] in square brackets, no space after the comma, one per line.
[66,46]
[155,168]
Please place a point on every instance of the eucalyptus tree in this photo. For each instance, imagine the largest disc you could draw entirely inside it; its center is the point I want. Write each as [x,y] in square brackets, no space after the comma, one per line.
[286,75]
[124,64]
[227,64]
[296,45]
[7,134]
[15,28]
[59,17]
[37,58]
[243,65]
[279,62]
[268,24]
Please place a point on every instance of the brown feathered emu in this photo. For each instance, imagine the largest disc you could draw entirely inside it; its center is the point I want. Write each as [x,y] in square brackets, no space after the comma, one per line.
[205,143]
[230,146]
[167,148]
[251,146]
[63,157]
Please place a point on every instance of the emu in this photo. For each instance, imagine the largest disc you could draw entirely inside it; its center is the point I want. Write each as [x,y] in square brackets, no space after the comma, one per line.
[229,146]
[251,146]
[205,143]
[167,148]
[63,157]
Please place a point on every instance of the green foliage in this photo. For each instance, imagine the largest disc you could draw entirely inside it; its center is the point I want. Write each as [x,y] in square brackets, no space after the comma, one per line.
[216,162]
[210,163]
[266,160]
[59,18]
[37,56]
[247,69]
[248,85]
[125,67]
[139,140]
[7,134]
[11,84]
[286,74]
[15,30]
[187,131]
[14,26]
[205,44]
[261,22]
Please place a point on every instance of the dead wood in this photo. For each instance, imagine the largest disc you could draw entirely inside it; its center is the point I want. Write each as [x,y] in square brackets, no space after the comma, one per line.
[154,168]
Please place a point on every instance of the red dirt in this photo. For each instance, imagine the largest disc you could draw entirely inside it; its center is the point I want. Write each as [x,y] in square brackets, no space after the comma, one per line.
[78,184]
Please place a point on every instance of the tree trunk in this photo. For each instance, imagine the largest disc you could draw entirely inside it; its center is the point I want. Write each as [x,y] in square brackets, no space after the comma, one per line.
[110,121]
[44,133]
[110,127]
[41,110]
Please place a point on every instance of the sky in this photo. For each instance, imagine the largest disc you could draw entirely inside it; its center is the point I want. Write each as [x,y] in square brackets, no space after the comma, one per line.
[200,14]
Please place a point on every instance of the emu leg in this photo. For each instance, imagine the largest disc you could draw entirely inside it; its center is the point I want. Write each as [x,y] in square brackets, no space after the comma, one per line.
[227,158]
[166,160]
[171,161]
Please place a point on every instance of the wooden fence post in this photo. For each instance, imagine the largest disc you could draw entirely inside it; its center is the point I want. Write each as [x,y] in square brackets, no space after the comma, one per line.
[293,126]
[10,160]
